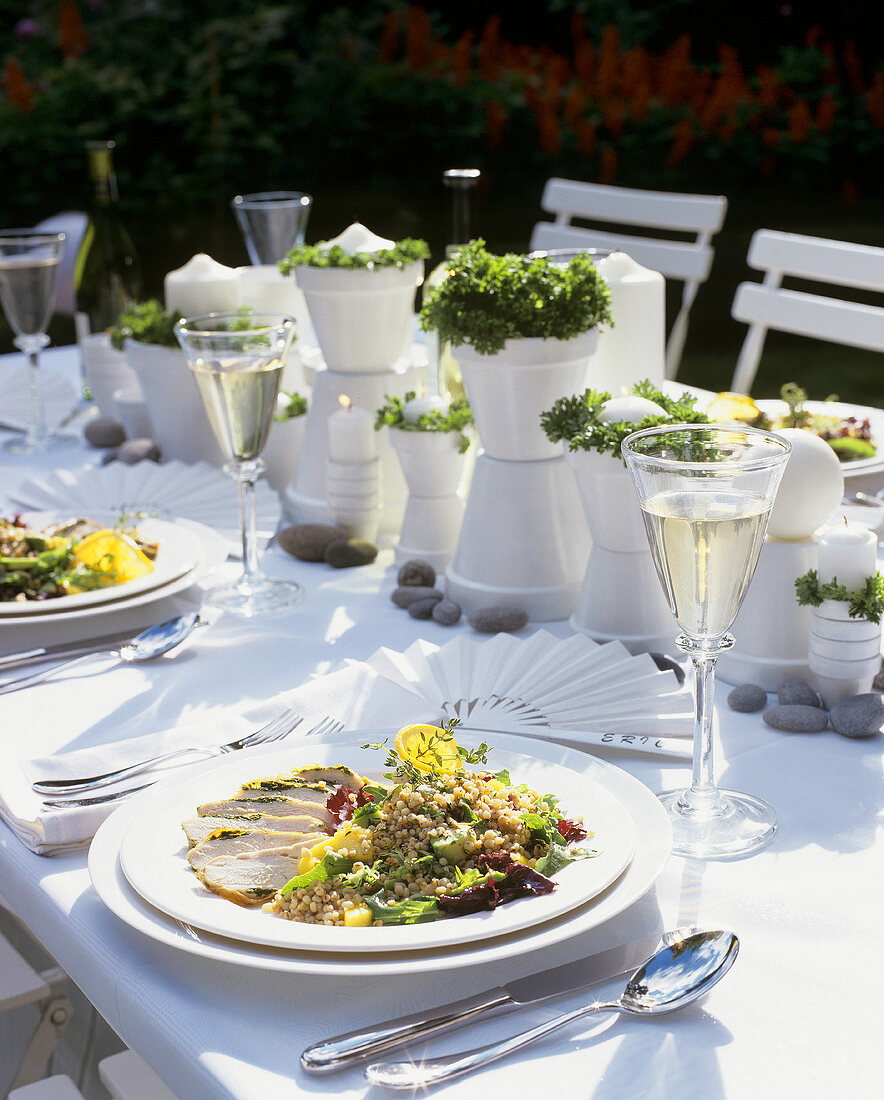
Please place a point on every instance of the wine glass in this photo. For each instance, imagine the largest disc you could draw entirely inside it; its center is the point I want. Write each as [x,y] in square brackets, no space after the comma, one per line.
[705,493]
[29,261]
[272,223]
[237,360]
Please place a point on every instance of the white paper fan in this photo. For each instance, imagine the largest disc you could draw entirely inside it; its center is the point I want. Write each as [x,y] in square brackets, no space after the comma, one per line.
[198,492]
[58,394]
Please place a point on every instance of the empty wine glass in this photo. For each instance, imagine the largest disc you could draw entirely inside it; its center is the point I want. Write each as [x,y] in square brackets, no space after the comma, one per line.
[705,493]
[237,361]
[272,223]
[29,261]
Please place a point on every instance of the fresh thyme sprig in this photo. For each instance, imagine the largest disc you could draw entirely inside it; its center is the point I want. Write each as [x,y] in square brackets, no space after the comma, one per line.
[403,253]
[866,603]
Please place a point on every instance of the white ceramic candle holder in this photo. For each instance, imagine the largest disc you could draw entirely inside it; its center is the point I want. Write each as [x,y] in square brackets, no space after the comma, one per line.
[354,496]
[433,466]
[105,371]
[621,597]
[282,450]
[844,653]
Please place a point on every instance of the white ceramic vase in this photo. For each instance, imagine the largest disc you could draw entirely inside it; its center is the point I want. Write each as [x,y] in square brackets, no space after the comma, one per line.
[844,654]
[180,424]
[432,466]
[362,318]
[621,597]
[281,451]
[508,391]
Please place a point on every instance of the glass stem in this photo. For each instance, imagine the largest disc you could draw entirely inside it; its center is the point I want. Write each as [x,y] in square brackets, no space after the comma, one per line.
[246,474]
[36,434]
[702,777]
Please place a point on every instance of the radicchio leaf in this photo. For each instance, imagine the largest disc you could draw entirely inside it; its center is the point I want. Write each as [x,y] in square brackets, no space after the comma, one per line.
[518,881]
[343,802]
[572,831]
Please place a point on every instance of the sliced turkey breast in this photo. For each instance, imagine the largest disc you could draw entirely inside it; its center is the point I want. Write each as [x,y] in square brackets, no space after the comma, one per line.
[258,841]
[251,877]
[198,829]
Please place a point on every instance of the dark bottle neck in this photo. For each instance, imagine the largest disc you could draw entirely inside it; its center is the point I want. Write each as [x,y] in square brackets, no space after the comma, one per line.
[462,184]
[101,172]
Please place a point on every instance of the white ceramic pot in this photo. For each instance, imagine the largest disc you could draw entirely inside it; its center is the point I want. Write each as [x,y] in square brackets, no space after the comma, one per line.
[508,391]
[131,409]
[105,371]
[281,451]
[362,319]
[621,597]
[181,427]
[432,465]
[844,654]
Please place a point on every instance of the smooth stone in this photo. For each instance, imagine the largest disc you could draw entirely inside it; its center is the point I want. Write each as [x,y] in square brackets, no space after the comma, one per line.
[416,573]
[498,620]
[747,698]
[878,682]
[447,612]
[105,431]
[109,456]
[407,595]
[859,716]
[795,718]
[307,541]
[668,664]
[138,450]
[795,692]
[423,609]
[347,553]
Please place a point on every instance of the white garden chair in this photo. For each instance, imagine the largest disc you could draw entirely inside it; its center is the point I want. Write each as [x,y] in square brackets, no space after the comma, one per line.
[688,261]
[769,305]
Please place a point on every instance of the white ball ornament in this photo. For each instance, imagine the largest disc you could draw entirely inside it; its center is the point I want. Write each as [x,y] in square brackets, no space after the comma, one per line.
[414,409]
[629,407]
[811,488]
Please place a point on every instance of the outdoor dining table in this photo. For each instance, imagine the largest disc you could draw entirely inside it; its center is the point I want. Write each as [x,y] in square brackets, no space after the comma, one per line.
[798,1016]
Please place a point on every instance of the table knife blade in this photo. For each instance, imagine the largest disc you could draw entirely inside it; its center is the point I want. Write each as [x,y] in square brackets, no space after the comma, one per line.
[61,652]
[342,1051]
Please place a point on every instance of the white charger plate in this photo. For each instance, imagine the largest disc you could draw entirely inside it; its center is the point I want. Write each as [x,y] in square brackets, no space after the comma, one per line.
[180,551]
[653,845]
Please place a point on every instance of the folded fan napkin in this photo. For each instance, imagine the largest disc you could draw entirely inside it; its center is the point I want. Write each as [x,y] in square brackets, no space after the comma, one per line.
[355,695]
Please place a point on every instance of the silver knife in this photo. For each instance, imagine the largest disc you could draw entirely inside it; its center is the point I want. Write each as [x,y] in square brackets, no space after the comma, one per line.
[346,1050]
[60,652]
[96,800]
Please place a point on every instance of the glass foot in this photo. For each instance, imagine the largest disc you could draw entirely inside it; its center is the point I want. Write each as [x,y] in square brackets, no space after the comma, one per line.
[258,596]
[723,825]
[49,444]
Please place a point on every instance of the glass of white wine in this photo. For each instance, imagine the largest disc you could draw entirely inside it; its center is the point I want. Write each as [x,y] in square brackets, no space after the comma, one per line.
[237,360]
[706,493]
[29,262]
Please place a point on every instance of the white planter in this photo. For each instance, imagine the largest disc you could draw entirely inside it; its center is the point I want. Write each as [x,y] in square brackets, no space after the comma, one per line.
[524,540]
[180,425]
[105,371]
[508,391]
[131,409]
[282,450]
[621,597]
[432,465]
[354,497]
[845,653]
[362,319]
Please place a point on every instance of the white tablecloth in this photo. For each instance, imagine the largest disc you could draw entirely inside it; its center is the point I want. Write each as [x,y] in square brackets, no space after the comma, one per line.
[798,1016]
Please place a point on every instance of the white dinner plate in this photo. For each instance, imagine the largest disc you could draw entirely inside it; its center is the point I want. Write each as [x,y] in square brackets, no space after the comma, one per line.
[180,551]
[153,854]
[653,844]
[875,417]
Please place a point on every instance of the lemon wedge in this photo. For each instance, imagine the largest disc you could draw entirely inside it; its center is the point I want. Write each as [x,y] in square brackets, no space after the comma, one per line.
[733,406]
[114,555]
[429,749]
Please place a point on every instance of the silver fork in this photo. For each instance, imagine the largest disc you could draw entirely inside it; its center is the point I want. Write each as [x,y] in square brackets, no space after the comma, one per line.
[325,727]
[276,729]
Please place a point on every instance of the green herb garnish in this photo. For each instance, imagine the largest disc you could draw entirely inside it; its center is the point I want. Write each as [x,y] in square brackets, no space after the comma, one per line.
[392,415]
[146,323]
[865,603]
[294,407]
[403,252]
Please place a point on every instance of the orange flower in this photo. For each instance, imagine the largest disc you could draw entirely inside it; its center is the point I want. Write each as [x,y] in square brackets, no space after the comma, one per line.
[495,121]
[853,67]
[417,38]
[585,132]
[388,46]
[640,103]
[799,121]
[574,106]
[608,164]
[768,87]
[489,50]
[875,101]
[684,137]
[462,58]
[768,163]
[727,131]
[584,63]
[72,38]
[16,86]
[826,110]
[770,137]
[613,116]
[549,130]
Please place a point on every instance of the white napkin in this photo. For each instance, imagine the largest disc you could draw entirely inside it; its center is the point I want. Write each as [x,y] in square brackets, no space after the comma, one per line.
[355,695]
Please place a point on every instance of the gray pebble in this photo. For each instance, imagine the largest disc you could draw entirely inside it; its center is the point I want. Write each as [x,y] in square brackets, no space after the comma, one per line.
[747,698]
[498,620]
[795,718]
[138,450]
[794,692]
[105,431]
[878,682]
[858,717]
[447,612]
[406,596]
[668,664]
[423,609]
[307,541]
[346,553]
[109,456]
[416,572]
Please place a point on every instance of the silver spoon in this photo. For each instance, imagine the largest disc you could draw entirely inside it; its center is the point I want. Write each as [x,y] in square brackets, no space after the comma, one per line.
[670,979]
[150,643]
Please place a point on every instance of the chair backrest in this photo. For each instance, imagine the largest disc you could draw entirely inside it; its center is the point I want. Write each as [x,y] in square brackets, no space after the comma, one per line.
[73,224]
[687,261]
[768,305]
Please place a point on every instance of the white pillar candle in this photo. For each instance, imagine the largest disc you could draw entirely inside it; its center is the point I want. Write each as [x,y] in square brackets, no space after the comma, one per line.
[635,347]
[417,406]
[201,286]
[629,407]
[350,434]
[848,554]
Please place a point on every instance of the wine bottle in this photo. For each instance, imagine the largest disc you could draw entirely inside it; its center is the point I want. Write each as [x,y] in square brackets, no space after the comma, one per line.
[443,372]
[107,277]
